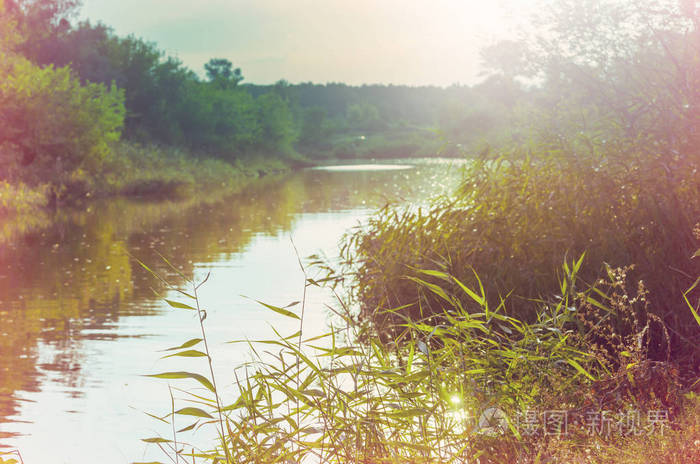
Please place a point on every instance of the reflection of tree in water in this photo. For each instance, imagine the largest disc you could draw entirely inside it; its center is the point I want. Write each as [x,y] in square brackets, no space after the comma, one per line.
[65,363]
[71,282]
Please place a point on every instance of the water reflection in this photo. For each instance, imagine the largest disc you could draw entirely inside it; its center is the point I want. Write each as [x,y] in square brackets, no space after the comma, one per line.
[69,291]
[365,167]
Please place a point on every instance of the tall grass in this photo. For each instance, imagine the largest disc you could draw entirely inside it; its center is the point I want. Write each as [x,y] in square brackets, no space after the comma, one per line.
[22,209]
[151,170]
[428,393]
[516,218]
[21,199]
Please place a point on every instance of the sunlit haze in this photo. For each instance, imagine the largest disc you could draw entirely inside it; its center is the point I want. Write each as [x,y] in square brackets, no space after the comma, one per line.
[356,42]
[349,231]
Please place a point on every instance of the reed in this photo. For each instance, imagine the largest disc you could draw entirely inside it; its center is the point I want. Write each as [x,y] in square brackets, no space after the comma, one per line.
[514,220]
[427,393]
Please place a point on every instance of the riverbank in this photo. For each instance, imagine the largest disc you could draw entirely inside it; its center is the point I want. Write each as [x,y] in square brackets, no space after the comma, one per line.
[153,173]
[134,171]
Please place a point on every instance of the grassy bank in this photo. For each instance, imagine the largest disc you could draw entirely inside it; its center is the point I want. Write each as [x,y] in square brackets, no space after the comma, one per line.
[398,142]
[390,143]
[22,208]
[546,312]
[133,169]
[139,170]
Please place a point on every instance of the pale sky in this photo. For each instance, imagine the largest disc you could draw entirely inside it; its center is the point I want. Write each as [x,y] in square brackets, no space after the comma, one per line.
[413,42]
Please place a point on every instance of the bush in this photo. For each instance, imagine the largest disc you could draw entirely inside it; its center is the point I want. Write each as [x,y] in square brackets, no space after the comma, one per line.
[51,126]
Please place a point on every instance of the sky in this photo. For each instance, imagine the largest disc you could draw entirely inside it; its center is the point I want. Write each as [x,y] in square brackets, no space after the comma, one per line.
[410,42]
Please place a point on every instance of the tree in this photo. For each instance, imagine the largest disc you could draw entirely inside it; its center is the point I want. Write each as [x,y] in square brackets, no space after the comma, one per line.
[221,73]
[92,51]
[508,58]
[39,23]
[153,84]
[615,69]
[363,116]
[277,131]
[314,129]
[8,30]
[54,124]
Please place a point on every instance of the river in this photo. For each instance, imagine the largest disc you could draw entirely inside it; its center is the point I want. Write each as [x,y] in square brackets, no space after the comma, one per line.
[81,323]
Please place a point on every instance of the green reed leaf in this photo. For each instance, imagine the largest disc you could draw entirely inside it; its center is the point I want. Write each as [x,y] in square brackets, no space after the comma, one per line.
[188,428]
[190,411]
[185,375]
[178,305]
[580,368]
[410,412]
[156,440]
[685,297]
[432,287]
[187,344]
[187,354]
[277,309]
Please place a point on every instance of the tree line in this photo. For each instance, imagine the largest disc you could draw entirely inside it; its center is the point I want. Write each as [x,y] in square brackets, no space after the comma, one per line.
[70,89]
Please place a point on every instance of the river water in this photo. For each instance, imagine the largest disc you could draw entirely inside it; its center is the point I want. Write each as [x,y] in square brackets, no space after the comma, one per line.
[81,324]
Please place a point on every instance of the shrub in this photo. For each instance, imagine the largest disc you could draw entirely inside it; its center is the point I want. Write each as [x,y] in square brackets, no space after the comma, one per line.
[51,125]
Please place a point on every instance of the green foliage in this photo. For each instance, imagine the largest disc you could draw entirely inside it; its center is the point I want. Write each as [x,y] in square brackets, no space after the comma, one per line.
[315,130]
[221,73]
[363,116]
[276,123]
[223,122]
[51,126]
[168,104]
[9,36]
[57,130]
[155,87]
[331,117]
[423,394]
